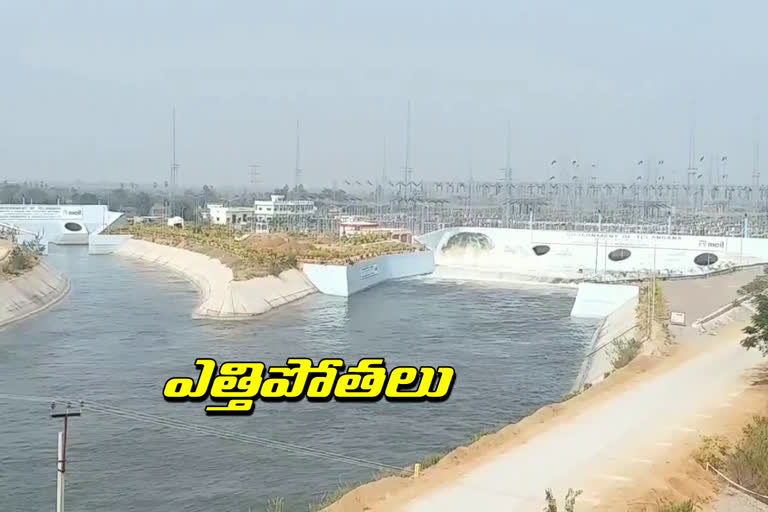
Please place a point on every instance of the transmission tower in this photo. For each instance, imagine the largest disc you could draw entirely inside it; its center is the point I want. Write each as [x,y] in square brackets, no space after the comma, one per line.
[407,169]
[253,174]
[174,165]
[756,161]
[297,171]
[508,175]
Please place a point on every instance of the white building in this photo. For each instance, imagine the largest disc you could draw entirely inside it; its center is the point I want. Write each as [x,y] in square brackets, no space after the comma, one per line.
[278,206]
[261,214]
[233,215]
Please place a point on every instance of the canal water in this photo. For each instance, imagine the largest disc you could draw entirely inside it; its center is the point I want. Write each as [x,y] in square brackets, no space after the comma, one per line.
[126,327]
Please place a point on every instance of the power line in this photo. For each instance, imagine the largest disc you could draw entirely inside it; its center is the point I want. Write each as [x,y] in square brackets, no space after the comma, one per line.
[297,171]
[216,432]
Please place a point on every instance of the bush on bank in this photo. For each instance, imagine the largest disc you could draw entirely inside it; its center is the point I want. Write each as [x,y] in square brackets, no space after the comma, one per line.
[18,260]
[746,462]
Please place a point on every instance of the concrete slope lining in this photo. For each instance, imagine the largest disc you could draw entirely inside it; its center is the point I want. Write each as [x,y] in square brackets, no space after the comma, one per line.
[221,297]
[31,293]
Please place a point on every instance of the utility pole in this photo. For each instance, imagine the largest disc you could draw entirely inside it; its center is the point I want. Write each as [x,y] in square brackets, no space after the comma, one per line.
[174,164]
[756,163]
[253,174]
[691,155]
[508,175]
[383,181]
[297,171]
[407,170]
[61,463]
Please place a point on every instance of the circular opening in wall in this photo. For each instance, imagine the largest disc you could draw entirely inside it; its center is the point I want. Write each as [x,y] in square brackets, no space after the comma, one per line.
[73,226]
[541,250]
[619,254]
[705,258]
[468,240]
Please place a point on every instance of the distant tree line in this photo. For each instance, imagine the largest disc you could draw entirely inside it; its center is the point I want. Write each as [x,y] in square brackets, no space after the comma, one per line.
[139,200]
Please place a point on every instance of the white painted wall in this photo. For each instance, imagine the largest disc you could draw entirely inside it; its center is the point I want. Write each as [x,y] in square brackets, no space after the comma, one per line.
[347,280]
[49,220]
[617,305]
[596,300]
[585,255]
[328,279]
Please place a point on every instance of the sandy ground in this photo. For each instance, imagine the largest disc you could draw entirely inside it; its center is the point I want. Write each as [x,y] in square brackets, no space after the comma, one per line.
[626,442]
[5,248]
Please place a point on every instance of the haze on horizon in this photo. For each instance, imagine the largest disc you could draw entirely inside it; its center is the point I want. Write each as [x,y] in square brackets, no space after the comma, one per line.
[87,87]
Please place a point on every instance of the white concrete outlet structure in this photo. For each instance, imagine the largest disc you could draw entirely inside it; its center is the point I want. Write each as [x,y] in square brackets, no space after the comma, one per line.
[66,224]
[345,280]
[596,300]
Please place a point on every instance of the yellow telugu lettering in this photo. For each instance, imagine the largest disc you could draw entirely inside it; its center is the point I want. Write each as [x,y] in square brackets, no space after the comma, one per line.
[363,381]
[180,388]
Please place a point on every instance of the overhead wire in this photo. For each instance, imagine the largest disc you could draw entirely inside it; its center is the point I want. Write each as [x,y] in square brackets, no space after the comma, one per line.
[114,411]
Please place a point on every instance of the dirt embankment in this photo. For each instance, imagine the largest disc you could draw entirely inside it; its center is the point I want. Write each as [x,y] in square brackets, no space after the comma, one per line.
[627,442]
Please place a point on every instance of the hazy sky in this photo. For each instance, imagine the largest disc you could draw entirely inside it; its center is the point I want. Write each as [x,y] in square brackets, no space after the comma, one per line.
[87,87]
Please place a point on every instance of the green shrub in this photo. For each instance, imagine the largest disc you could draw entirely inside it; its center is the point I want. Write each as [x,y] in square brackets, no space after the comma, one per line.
[748,462]
[624,351]
[19,260]
[713,451]
[275,505]
[683,506]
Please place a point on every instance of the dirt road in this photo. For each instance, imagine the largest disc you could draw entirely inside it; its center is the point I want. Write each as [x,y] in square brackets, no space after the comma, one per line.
[607,444]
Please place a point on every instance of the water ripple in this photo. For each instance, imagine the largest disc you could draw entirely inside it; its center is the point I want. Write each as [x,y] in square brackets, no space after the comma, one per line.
[126,327]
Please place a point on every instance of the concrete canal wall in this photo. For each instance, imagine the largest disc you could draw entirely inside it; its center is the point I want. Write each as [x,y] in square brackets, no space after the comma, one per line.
[30,293]
[596,300]
[617,306]
[346,280]
[221,297]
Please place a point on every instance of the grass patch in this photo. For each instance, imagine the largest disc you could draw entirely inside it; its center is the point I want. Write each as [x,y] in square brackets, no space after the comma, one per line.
[431,460]
[479,435]
[624,350]
[660,313]
[275,505]
[332,497]
[681,506]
